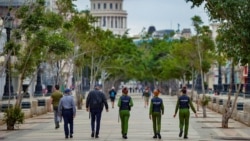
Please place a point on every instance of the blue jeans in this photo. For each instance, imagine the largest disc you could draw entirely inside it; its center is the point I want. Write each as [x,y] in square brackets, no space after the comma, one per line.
[68,119]
[56,116]
[95,118]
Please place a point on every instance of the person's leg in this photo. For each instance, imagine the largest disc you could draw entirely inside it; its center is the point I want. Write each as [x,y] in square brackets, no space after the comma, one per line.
[93,118]
[98,122]
[121,113]
[71,124]
[181,121]
[154,124]
[158,124]
[66,122]
[186,120]
[126,118]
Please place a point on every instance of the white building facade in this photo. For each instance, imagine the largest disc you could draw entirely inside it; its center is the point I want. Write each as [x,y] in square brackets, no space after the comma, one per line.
[110,15]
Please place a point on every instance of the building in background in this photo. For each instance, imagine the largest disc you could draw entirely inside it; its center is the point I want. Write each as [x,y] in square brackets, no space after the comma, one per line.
[110,15]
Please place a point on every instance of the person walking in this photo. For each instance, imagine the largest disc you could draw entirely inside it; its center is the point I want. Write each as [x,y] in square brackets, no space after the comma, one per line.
[96,100]
[156,110]
[67,110]
[146,95]
[183,104]
[125,103]
[112,95]
[55,98]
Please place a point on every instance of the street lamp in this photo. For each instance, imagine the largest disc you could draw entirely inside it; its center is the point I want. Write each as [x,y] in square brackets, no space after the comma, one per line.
[39,87]
[247,88]
[198,84]
[219,86]
[8,88]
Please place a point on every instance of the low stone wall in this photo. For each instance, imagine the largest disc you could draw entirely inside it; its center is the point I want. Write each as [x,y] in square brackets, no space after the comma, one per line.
[37,107]
[241,110]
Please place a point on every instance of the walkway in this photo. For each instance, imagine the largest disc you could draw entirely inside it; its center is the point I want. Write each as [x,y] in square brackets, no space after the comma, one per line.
[41,128]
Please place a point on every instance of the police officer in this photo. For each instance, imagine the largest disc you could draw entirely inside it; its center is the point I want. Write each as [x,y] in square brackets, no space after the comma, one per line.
[156,109]
[67,110]
[125,103]
[183,105]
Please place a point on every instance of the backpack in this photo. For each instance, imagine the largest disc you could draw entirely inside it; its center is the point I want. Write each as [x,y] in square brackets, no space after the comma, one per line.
[112,94]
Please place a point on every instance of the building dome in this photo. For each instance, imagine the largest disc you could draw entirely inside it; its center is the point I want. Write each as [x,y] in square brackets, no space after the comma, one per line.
[110,15]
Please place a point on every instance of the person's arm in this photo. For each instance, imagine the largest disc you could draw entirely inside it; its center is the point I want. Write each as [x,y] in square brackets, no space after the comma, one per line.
[192,107]
[131,103]
[150,109]
[74,107]
[88,102]
[176,107]
[162,108]
[119,102]
[105,102]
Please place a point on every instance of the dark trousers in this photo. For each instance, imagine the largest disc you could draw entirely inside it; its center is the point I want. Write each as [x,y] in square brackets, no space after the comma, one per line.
[95,119]
[68,120]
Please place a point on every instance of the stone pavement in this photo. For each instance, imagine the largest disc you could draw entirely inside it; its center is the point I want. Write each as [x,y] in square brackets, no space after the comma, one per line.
[41,128]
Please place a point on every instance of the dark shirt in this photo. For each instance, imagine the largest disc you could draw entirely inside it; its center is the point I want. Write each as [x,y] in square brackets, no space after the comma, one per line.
[156,105]
[96,100]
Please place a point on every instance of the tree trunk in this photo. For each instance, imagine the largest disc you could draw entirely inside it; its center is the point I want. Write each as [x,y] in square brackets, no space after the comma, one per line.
[10,126]
[204,109]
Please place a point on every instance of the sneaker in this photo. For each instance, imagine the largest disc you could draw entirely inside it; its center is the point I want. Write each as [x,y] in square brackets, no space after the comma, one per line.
[155,136]
[159,136]
[180,134]
[92,135]
[185,137]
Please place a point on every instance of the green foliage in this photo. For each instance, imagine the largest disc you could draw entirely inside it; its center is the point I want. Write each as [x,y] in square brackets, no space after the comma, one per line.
[205,100]
[13,116]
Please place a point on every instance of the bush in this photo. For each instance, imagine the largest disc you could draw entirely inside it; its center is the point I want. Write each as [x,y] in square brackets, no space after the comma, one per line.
[205,100]
[13,116]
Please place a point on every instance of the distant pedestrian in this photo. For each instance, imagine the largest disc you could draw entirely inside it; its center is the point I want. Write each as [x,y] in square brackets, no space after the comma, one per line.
[96,100]
[112,95]
[183,104]
[156,110]
[125,103]
[67,109]
[146,95]
[55,98]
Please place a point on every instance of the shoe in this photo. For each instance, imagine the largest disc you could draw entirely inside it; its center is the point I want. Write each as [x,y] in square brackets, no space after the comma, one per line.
[159,136]
[66,137]
[57,125]
[155,136]
[92,134]
[71,136]
[124,136]
[96,136]
[185,137]
[180,134]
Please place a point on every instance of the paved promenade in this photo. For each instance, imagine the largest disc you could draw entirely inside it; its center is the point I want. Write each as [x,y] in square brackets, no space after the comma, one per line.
[41,128]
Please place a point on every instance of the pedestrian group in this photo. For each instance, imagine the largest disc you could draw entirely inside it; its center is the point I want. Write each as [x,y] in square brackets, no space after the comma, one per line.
[64,107]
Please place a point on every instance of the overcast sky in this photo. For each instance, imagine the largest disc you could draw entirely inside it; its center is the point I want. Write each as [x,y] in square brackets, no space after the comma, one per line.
[163,14]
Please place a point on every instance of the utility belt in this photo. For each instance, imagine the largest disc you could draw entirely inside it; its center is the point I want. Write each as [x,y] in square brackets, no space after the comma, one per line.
[184,107]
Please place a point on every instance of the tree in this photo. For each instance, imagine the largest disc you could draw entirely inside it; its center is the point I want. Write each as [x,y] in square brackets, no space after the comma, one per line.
[234,42]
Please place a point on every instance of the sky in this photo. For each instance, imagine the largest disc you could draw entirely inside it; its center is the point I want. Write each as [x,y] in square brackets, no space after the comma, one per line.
[163,14]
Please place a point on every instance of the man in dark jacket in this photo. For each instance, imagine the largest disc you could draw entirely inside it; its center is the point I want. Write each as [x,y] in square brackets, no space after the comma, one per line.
[96,100]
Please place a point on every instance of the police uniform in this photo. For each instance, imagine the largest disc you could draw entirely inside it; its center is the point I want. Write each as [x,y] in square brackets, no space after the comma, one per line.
[183,104]
[156,110]
[67,110]
[125,103]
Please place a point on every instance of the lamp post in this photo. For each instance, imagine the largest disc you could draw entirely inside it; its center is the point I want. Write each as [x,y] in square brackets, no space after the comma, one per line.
[39,87]
[247,88]
[198,84]
[8,88]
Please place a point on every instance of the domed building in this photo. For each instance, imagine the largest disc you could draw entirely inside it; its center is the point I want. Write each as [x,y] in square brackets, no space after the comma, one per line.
[110,15]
